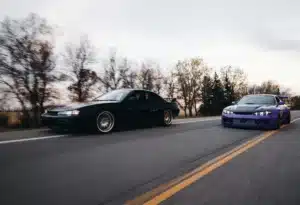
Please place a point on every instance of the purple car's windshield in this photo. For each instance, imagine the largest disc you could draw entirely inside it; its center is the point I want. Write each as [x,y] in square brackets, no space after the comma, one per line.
[115,95]
[258,99]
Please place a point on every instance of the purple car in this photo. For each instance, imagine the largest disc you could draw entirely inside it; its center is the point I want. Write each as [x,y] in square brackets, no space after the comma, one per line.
[257,111]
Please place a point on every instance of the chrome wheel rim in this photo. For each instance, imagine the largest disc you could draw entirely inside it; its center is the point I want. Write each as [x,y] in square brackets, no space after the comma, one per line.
[167,117]
[105,121]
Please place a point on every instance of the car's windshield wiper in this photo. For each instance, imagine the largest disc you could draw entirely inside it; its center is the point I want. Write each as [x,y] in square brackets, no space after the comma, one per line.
[250,103]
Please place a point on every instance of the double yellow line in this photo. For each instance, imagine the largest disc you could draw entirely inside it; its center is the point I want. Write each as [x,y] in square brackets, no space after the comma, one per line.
[165,191]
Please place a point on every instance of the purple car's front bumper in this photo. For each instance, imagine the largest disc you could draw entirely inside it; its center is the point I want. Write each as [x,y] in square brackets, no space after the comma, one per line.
[249,121]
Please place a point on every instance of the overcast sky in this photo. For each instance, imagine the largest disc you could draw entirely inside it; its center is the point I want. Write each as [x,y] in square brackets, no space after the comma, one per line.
[260,36]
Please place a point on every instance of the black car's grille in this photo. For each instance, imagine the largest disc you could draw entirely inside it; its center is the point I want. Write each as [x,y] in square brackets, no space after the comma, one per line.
[243,113]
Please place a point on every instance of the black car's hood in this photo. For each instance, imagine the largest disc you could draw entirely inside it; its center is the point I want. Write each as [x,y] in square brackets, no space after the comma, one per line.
[249,108]
[74,106]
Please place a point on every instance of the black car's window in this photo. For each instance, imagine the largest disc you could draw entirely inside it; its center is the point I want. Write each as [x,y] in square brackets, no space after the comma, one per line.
[257,99]
[115,95]
[153,98]
[138,96]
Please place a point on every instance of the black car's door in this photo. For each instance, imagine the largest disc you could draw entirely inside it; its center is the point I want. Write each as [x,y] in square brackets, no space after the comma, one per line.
[134,108]
[155,105]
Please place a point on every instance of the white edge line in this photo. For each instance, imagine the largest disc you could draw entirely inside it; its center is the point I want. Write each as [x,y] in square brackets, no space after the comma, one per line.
[31,139]
[294,120]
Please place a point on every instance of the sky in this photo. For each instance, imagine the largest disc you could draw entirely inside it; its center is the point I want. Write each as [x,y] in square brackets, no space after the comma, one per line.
[260,36]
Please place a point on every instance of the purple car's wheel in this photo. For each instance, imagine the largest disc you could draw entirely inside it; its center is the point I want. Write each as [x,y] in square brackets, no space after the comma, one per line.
[288,119]
[277,123]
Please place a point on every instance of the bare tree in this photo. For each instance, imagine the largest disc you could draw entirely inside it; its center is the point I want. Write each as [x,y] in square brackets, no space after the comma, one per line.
[267,87]
[78,59]
[158,81]
[27,63]
[286,92]
[118,73]
[127,75]
[170,85]
[270,87]
[238,79]
[189,75]
[110,79]
[4,101]
[146,76]
[151,78]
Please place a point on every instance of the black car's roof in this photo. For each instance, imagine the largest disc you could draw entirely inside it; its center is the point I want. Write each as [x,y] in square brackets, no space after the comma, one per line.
[263,95]
[131,89]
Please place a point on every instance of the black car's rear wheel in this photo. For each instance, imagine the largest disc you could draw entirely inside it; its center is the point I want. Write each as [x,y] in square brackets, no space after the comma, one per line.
[167,118]
[105,122]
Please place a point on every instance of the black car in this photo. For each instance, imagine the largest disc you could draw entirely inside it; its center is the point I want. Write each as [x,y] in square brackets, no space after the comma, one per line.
[123,107]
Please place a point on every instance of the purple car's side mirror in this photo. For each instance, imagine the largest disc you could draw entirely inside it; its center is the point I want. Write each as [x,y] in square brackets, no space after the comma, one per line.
[281,103]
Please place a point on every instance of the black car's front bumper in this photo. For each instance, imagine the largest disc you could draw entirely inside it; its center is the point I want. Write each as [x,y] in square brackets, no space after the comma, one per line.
[68,122]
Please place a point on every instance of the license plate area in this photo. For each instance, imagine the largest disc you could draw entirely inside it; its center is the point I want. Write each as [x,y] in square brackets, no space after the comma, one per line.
[244,121]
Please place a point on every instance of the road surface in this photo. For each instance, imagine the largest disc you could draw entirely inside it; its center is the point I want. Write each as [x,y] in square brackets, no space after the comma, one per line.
[243,166]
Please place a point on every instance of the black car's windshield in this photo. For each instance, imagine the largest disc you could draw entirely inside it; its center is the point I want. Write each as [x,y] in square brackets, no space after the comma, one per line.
[115,95]
[257,99]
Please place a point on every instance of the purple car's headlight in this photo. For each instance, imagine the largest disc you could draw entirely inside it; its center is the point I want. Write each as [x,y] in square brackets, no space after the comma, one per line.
[227,112]
[263,113]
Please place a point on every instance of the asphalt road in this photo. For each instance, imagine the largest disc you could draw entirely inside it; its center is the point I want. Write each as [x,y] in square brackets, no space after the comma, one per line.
[39,167]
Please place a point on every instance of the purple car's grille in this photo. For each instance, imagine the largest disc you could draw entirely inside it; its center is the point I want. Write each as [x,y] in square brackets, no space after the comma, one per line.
[243,113]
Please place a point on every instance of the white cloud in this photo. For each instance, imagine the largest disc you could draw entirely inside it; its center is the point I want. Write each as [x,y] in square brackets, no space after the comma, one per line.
[262,37]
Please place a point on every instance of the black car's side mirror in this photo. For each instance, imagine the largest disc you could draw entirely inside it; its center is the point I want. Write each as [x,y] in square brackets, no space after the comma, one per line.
[173,100]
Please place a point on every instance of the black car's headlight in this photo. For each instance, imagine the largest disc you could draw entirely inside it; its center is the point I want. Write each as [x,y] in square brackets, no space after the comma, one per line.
[69,113]
[262,113]
[227,112]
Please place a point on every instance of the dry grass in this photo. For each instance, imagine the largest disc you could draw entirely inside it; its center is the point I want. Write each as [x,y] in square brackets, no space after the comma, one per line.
[13,118]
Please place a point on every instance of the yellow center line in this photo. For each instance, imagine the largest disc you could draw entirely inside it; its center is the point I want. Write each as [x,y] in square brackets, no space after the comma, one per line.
[152,193]
[185,183]
[165,191]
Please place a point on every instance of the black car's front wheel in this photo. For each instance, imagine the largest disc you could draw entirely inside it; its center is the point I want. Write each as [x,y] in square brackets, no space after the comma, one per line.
[167,118]
[105,122]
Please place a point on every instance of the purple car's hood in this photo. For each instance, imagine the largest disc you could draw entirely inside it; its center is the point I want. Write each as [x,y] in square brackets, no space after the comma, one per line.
[74,106]
[250,108]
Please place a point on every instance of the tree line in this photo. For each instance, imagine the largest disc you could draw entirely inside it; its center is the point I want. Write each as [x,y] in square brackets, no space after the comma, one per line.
[29,73]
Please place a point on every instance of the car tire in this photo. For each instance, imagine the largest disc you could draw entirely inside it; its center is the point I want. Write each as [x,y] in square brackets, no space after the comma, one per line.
[288,119]
[278,123]
[167,118]
[105,122]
